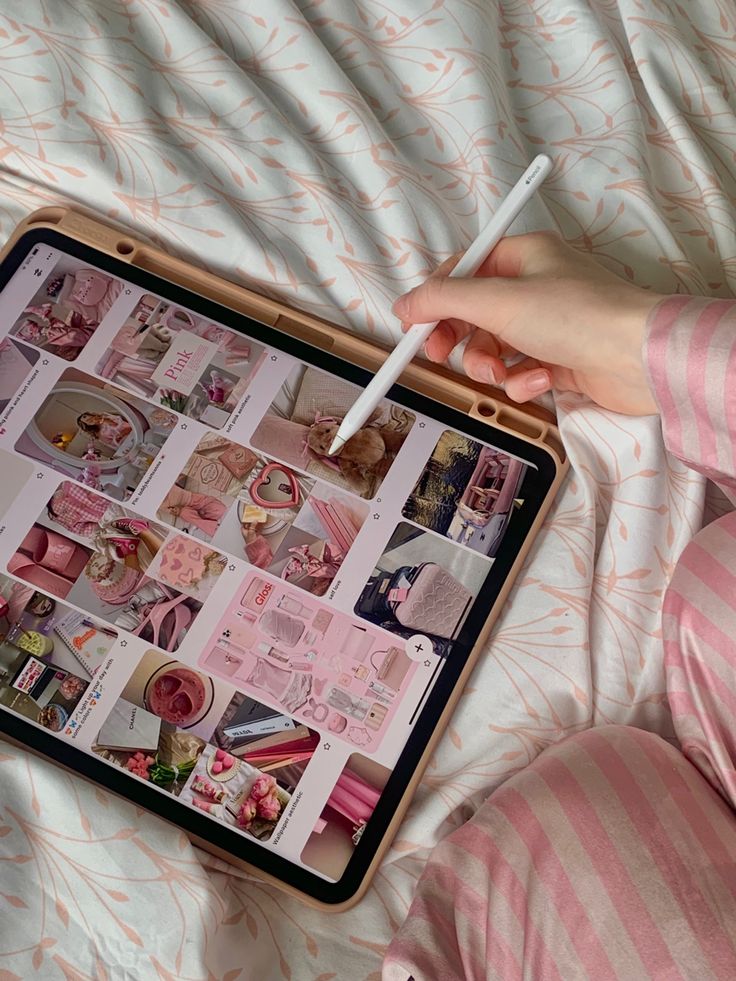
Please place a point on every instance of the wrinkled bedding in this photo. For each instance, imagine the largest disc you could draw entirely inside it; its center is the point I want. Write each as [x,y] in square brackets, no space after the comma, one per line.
[331,153]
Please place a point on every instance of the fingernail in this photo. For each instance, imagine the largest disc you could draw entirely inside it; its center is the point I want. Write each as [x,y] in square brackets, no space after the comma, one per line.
[492,376]
[401,306]
[538,381]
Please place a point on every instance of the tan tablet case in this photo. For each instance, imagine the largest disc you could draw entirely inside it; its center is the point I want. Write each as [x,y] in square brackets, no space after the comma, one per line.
[530,423]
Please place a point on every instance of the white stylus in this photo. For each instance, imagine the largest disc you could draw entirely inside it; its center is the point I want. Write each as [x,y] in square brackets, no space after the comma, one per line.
[418,334]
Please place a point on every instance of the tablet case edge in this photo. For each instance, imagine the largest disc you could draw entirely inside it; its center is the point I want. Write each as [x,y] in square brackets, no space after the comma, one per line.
[530,423]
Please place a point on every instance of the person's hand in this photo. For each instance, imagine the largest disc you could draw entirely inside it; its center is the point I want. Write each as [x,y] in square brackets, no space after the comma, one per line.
[580,327]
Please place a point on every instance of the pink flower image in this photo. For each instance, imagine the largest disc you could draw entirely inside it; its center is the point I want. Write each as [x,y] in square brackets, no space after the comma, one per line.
[246,813]
[264,785]
[269,807]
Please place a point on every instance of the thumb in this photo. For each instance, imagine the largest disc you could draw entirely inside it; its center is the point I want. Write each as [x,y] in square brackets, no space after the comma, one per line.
[485,302]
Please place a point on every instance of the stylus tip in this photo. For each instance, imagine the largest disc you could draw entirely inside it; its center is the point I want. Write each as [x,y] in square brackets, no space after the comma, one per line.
[337,444]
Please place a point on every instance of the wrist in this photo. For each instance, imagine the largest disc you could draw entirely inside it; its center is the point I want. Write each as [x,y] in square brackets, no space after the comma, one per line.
[636,315]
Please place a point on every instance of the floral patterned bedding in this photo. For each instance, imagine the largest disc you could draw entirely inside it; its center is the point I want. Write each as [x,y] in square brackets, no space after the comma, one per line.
[332,152]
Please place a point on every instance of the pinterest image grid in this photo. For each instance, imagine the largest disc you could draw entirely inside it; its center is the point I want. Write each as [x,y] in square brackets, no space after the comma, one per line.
[193,590]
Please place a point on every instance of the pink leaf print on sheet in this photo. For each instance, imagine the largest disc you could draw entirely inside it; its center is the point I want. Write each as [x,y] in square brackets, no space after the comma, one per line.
[332,156]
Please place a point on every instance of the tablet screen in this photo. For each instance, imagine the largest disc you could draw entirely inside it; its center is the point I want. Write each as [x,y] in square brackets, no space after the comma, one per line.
[196,596]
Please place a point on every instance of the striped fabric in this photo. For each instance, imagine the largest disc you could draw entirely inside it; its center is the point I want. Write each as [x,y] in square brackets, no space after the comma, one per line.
[690,355]
[608,857]
[613,855]
[699,629]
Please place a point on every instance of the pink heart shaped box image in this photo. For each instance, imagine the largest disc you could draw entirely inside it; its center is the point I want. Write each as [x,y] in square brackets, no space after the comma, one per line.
[275,487]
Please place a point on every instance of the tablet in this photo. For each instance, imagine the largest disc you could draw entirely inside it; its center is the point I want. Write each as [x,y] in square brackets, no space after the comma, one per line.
[203,612]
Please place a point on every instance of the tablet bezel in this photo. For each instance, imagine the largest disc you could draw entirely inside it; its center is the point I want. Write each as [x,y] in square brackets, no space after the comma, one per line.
[537,487]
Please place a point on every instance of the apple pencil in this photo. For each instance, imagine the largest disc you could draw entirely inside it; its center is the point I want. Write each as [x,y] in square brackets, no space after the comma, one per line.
[416,336]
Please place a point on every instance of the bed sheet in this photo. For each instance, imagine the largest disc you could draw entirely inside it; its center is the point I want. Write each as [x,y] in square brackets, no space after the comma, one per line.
[332,153]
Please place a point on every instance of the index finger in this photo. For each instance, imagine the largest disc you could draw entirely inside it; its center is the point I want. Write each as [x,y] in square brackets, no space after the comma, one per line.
[445,338]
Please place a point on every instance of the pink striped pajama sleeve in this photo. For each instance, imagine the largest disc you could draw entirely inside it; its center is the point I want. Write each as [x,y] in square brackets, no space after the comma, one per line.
[613,855]
[690,353]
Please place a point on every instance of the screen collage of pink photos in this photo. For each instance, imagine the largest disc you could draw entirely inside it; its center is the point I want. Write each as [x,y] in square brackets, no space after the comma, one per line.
[193,590]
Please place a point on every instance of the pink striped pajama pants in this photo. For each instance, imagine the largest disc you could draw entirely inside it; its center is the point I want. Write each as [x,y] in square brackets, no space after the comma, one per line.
[614,854]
